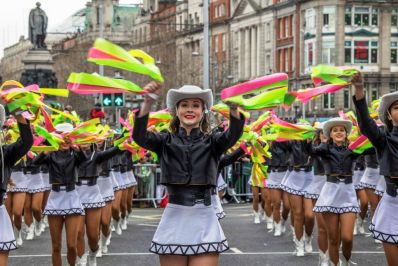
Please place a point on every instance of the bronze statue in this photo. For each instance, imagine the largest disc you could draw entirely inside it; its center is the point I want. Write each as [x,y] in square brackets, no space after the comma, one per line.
[38,27]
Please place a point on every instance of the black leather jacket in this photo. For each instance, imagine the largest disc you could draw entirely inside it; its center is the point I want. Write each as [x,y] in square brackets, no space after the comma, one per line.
[13,152]
[61,165]
[371,161]
[300,153]
[385,142]
[230,158]
[337,160]
[91,161]
[280,154]
[188,160]
[318,165]
[30,167]
[115,162]
[360,163]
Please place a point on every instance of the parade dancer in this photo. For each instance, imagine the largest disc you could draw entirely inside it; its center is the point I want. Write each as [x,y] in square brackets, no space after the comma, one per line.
[312,195]
[277,169]
[46,180]
[91,198]
[384,225]
[359,170]
[189,233]
[105,184]
[10,154]
[258,182]
[132,184]
[295,185]
[63,205]
[118,186]
[337,201]
[16,198]
[129,183]
[34,199]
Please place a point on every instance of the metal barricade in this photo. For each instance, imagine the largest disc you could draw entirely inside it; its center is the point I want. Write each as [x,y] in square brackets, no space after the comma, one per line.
[237,177]
[148,183]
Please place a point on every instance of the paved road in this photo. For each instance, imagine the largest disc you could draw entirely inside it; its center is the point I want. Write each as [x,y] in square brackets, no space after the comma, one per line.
[250,244]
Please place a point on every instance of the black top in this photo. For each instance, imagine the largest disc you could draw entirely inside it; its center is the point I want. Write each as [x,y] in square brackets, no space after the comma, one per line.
[115,162]
[188,160]
[13,152]
[228,159]
[280,154]
[360,163]
[89,166]
[385,142]
[318,165]
[300,153]
[337,160]
[371,160]
[30,167]
[61,165]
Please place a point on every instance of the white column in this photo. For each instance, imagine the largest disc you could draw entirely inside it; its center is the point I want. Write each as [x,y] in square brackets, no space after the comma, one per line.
[260,53]
[247,53]
[253,52]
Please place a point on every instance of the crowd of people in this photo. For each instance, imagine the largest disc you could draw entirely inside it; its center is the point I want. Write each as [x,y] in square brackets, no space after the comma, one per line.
[88,187]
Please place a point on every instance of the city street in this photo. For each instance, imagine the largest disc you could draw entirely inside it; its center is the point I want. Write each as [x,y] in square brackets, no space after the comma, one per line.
[250,244]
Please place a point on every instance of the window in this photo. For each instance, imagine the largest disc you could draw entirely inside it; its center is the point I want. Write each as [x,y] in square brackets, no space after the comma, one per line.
[394,52]
[374,92]
[287,60]
[325,19]
[348,16]
[310,18]
[361,16]
[216,43]
[347,52]
[393,87]
[347,99]
[309,54]
[281,28]
[287,30]
[222,10]
[328,52]
[216,11]
[375,16]
[268,32]
[328,101]
[361,52]
[223,44]
[268,63]
[394,18]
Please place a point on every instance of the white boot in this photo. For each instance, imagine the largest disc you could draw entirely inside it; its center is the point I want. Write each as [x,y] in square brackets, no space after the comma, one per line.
[118,227]
[18,237]
[359,224]
[323,258]
[83,260]
[45,221]
[269,221]
[308,244]
[293,233]
[108,239]
[113,223]
[92,258]
[345,262]
[99,251]
[278,229]
[283,226]
[256,217]
[104,244]
[299,247]
[124,223]
[42,225]
[30,232]
[37,227]
[377,241]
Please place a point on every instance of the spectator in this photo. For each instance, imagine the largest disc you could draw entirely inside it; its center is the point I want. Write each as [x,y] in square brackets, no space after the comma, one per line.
[97,112]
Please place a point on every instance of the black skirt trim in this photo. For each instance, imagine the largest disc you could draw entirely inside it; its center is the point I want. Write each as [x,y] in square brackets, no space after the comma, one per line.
[379,193]
[64,212]
[311,196]
[292,191]
[109,198]
[189,250]
[383,237]
[274,186]
[358,187]
[338,210]
[18,190]
[366,185]
[37,190]
[7,246]
[220,215]
[93,205]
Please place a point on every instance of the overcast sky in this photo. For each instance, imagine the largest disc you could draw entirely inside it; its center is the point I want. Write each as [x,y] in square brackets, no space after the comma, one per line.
[14,16]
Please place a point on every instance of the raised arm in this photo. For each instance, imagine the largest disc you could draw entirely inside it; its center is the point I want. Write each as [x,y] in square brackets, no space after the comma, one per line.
[230,158]
[367,125]
[320,150]
[15,151]
[107,154]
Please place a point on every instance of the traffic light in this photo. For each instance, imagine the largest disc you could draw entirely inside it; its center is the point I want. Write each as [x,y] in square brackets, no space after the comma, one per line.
[118,99]
[106,100]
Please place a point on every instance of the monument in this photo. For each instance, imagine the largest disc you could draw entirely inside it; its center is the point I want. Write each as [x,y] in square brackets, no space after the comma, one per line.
[38,62]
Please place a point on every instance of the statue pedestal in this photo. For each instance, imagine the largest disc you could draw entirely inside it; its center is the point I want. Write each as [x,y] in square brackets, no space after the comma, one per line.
[39,69]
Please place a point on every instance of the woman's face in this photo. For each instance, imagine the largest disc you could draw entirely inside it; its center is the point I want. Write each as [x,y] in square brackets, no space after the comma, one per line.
[338,134]
[85,147]
[190,112]
[65,146]
[393,113]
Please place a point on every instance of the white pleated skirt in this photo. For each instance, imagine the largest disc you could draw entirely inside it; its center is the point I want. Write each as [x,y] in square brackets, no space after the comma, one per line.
[63,203]
[216,203]
[90,196]
[315,188]
[7,238]
[127,179]
[106,188]
[370,178]
[21,182]
[35,183]
[116,180]
[297,182]
[337,198]
[221,185]
[186,230]
[275,179]
[46,181]
[384,226]
[381,187]
[356,179]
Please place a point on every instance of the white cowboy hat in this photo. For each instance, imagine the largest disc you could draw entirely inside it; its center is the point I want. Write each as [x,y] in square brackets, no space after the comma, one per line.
[64,127]
[319,126]
[188,92]
[385,103]
[337,121]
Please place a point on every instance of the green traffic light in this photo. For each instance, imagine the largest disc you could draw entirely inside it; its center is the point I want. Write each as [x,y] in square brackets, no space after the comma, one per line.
[118,99]
[106,99]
